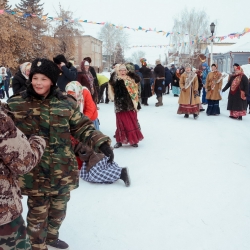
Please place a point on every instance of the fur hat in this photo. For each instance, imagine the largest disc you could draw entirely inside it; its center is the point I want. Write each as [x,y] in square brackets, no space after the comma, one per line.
[130,67]
[59,59]
[45,67]
[158,61]
[187,65]
[87,59]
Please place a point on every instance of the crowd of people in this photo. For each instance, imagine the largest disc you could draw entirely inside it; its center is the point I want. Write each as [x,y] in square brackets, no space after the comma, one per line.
[50,132]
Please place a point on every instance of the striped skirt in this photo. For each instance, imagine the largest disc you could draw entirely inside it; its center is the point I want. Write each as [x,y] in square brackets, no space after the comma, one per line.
[102,172]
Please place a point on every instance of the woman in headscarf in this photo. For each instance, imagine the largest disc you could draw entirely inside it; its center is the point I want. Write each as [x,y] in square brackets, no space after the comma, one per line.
[20,80]
[125,91]
[213,87]
[189,97]
[86,79]
[237,101]
[84,100]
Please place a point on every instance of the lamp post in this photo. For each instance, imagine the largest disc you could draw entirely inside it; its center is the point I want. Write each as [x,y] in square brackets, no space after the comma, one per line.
[212,27]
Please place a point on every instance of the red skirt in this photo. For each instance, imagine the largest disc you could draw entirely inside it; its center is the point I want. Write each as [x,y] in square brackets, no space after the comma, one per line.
[236,114]
[188,109]
[128,128]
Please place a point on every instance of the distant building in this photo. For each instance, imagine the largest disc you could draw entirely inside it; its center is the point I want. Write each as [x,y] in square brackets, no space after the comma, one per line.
[226,56]
[88,46]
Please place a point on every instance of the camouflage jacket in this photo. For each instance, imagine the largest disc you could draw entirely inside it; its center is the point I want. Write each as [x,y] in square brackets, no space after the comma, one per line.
[17,156]
[54,118]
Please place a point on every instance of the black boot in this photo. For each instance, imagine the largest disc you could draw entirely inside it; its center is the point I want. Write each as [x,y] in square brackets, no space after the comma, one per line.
[195,116]
[118,145]
[135,145]
[186,115]
[58,244]
[125,177]
[239,118]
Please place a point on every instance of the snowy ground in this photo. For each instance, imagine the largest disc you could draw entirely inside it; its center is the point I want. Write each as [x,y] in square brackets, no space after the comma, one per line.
[190,187]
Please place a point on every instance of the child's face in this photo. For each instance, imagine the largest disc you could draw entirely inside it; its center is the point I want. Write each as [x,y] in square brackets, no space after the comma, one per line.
[41,84]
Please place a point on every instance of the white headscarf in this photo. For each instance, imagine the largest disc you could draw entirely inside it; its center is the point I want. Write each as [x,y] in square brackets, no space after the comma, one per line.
[75,89]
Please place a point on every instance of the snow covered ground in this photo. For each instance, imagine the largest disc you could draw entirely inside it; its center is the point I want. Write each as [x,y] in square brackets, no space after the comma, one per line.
[190,186]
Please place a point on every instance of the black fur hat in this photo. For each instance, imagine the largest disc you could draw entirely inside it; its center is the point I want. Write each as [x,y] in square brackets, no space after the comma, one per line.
[45,67]
[60,58]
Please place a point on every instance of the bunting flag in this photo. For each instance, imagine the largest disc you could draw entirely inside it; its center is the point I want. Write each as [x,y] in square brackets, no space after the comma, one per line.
[164,33]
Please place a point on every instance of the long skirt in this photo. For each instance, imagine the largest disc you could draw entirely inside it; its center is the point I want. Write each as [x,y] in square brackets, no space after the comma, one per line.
[175,90]
[213,107]
[188,109]
[102,172]
[146,91]
[236,114]
[128,128]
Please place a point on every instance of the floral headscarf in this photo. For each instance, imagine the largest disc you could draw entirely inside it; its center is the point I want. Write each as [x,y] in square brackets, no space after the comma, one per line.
[24,67]
[75,89]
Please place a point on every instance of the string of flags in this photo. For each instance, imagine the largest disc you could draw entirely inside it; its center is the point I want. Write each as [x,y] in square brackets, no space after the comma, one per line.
[164,33]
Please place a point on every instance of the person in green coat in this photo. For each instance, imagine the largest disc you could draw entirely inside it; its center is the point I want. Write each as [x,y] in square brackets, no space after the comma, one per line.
[44,110]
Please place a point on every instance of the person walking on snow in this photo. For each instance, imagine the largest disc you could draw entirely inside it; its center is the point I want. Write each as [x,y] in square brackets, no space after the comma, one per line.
[205,72]
[189,98]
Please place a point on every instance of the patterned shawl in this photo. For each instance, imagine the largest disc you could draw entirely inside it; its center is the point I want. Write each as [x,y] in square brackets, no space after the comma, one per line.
[75,89]
[189,80]
[236,83]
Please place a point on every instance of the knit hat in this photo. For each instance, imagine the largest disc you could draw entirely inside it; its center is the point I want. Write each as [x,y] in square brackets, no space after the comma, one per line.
[130,67]
[136,67]
[158,61]
[45,67]
[59,59]
[87,59]
[204,64]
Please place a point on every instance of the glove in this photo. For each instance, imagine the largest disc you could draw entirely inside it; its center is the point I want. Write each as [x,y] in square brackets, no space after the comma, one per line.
[106,149]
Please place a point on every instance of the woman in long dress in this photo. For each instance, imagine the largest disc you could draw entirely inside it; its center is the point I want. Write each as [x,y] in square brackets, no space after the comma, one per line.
[189,99]
[237,97]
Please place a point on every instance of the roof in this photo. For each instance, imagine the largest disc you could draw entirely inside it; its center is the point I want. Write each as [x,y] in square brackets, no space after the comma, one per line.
[238,47]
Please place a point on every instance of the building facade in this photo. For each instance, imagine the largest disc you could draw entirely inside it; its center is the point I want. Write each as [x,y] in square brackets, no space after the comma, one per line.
[89,46]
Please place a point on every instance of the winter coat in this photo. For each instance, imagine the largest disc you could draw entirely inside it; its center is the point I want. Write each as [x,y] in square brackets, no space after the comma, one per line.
[176,81]
[188,96]
[90,109]
[69,74]
[168,77]
[159,71]
[19,83]
[55,118]
[122,99]
[173,70]
[204,75]
[102,79]
[83,79]
[213,86]
[18,155]
[248,96]
[159,83]
[235,102]
[93,73]
[146,72]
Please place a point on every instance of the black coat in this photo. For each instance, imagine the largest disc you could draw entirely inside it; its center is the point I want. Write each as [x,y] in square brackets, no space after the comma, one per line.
[146,72]
[19,83]
[159,71]
[168,77]
[176,81]
[69,73]
[235,102]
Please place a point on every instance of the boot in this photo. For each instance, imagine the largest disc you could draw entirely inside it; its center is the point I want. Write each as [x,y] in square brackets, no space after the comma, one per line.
[118,145]
[58,244]
[125,177]
[186,115]
[159,102]
[239,118]
[195,116]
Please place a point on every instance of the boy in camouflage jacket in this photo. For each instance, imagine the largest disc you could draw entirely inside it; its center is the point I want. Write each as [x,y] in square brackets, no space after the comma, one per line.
[17,156]
[43,110]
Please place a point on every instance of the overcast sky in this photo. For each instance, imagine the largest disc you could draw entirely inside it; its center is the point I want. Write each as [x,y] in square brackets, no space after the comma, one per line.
[231,16]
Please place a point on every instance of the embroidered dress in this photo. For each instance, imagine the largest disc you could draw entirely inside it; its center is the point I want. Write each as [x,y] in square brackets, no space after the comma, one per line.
[102,172]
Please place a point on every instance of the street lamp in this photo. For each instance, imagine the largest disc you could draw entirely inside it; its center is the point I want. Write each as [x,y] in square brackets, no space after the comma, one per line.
[212,27]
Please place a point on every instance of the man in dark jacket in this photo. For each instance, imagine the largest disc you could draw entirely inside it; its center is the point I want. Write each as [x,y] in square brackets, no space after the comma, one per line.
[68,72]
[168,79]
[159,84]
[93,73]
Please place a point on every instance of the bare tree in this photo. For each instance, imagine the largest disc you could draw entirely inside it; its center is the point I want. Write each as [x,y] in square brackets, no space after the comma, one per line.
[111,36]
[189,29]
[136,56]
